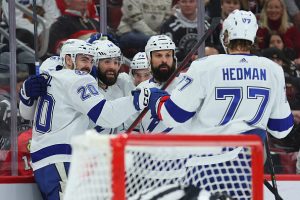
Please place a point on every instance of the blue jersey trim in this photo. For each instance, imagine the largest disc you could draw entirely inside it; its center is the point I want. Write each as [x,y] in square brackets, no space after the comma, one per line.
[56,149]
[95,112]
[281,124]
[177,113]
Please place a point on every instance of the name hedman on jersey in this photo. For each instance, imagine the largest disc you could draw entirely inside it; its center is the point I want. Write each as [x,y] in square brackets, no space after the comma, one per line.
[244,74]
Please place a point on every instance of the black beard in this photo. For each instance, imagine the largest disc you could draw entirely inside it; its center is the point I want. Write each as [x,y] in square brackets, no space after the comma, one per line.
[107,81]
[162,76]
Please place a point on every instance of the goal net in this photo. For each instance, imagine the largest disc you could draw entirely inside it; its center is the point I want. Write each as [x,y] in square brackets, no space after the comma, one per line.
[119,167]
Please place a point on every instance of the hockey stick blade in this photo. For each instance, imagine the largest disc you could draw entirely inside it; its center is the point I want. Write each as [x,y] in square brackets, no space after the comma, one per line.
[214,24]
[270,187]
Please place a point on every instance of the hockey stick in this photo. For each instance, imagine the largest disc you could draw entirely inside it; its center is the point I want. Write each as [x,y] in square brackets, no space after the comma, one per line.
[273,189]
[215,22]
[35,35]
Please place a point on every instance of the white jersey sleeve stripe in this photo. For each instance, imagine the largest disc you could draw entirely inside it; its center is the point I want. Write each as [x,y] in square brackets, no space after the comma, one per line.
[281,125]
[95,112]
[178,114]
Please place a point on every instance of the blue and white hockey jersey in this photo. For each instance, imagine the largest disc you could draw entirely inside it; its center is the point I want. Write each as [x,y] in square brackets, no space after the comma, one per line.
[230,94]
[153,125]
[72,100]
[121,88]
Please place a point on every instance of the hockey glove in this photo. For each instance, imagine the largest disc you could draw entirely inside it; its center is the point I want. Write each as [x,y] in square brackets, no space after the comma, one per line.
[157,98]
[148,97]
[140,98]
[99,36]
[94,37]
[34,87]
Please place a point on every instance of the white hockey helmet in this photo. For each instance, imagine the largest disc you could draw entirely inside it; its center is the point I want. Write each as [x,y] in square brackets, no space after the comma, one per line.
[139,61]
[104,48]
[50,64]
[73,47]
[239,24]
[159,42]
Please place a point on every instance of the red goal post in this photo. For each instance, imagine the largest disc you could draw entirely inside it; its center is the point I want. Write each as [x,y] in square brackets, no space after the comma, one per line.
[112,166]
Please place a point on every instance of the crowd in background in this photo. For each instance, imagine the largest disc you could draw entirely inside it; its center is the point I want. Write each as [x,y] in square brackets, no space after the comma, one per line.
[131,23]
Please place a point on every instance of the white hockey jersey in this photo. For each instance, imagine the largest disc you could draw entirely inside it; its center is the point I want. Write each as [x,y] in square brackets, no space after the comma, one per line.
[231,94]
[52,63]
[152,125]
[71,101]
[121,88]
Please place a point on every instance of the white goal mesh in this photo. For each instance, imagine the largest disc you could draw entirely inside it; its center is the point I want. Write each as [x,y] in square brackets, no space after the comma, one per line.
[129,167]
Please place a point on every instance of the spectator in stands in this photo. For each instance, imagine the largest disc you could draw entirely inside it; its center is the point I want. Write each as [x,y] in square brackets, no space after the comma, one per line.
[278,56]
[227,6]
[182,28]
[273,18]
[24,23]
[255,6]
[276,40]
[140,20]
[217,8]
[24,167]
[74,23]
[24,62]
[91,8]
[292,40]
[293,9]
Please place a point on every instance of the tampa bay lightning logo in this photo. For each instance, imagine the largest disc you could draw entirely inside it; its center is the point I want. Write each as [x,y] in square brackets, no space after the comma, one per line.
[80,72]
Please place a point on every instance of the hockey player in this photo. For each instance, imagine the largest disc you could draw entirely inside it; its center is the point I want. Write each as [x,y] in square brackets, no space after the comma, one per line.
[249,89]
[139,68]
[112,84]
[160,51]
[71,100]
[237,93]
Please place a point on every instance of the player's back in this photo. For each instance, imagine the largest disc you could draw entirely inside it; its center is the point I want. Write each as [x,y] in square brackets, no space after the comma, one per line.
[237,93]
[62,113]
